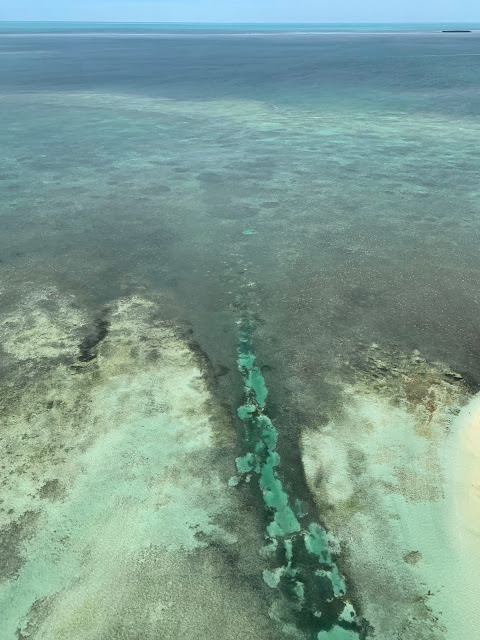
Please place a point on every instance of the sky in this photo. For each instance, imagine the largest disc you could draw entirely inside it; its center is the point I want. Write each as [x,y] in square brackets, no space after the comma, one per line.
[243,10]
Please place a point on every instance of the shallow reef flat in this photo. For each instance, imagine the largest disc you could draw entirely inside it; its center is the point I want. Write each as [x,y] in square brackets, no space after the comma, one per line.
[120,517]
[116,518]
[365,216]
[388,473]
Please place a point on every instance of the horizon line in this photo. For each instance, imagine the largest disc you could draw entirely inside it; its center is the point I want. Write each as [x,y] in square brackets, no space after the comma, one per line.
[228,23]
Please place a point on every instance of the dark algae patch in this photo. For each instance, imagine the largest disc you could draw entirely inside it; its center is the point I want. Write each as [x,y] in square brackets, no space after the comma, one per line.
[301,556]
[52,490]
[90,342]
[11,539]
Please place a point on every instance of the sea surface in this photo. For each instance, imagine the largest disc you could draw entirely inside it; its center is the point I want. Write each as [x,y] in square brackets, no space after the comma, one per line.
[239,313]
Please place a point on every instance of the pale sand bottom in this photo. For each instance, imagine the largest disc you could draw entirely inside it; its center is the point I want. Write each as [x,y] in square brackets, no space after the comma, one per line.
[465,479]
[118,510]
[380,475]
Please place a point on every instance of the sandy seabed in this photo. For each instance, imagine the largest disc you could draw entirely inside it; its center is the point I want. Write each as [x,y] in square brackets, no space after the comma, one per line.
[465,480]
[396,476]
[115,507]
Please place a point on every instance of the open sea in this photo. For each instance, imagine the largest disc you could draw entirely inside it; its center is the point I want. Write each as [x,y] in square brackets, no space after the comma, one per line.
[239,327]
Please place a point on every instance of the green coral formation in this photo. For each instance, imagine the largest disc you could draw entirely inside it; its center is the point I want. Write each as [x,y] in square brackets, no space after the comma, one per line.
[308,577]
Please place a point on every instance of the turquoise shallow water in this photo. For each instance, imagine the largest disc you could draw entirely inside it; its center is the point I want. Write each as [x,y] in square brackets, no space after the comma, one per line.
[317,182]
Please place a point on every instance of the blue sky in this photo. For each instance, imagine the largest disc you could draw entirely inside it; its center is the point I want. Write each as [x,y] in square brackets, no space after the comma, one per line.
[243,10]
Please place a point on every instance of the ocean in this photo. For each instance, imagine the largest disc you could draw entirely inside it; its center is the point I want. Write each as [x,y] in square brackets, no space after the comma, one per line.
[239,331]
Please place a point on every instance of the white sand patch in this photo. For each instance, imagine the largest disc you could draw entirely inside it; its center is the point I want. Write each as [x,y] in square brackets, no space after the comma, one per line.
[465,479]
